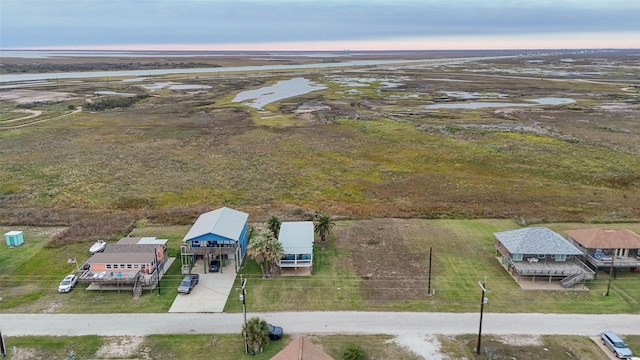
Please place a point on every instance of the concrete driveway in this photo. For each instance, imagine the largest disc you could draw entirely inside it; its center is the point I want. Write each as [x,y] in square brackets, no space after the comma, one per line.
[211,293]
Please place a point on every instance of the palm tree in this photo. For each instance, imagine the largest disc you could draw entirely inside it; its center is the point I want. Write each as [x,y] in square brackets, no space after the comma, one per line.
[274,254]
[323,226]
[266,251]
[257,250]
[354,352]
[274,225]
[257,331]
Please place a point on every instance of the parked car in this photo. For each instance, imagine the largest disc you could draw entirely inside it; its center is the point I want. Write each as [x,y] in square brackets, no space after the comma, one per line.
[67,283]
[214,266]
[188,283]
[615,343]
[275,332]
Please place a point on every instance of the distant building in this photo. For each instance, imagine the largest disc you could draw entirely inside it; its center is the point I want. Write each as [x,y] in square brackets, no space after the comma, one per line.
[14,238]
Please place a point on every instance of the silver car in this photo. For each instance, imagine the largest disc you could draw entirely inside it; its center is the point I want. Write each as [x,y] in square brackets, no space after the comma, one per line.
[188,283]
[67,283]
[615,343]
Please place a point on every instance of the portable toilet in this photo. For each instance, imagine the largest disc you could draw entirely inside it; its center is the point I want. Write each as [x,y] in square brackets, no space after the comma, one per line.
[14,238]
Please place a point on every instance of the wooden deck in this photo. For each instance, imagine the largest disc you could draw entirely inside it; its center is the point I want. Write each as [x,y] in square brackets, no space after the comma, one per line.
[618,262]
[539,282]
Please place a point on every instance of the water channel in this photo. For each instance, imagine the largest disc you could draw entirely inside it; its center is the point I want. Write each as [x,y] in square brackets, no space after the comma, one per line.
[481,105]
[280,90]
[215,70]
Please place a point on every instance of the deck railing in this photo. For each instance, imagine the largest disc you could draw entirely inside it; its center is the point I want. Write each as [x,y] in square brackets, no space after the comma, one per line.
[295,263]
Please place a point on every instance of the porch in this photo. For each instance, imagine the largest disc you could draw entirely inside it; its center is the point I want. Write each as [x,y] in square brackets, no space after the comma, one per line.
[124,280]
[556,273]
[600,260]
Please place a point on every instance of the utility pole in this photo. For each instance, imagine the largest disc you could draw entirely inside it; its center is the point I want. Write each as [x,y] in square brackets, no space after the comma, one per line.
[155,251]
[610,273]
[243,298]
[429,285]
[3,348]
[483,301]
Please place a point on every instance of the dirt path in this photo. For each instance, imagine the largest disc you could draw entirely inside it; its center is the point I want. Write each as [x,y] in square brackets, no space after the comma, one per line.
[35,113]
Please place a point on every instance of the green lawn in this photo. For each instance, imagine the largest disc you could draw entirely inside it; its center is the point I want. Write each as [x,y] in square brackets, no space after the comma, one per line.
[463,254]
[231,347]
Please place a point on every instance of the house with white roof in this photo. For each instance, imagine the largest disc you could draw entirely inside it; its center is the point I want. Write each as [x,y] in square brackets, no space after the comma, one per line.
[538,252]
[221,233]
[297,242]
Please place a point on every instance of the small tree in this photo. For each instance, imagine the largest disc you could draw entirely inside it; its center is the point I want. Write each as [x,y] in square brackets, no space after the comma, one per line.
[274,225]
[257,332]
[266,251]
[257,250]
[323,226]
[354,352]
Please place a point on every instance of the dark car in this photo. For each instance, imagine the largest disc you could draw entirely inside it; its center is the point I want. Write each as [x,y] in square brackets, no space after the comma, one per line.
[188,283]
[613,342]
[214,266]
[275,332]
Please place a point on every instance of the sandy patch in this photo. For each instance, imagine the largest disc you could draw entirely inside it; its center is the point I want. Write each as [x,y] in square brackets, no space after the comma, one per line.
[120,346]
[22,96]
[521,340]
[426,346]
[23,354]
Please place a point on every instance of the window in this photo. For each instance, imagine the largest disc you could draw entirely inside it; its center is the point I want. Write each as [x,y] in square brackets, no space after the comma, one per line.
[516,257]
[108,266]
[129,266]
[122,266]
[136,266]
[560,257]
[541,256]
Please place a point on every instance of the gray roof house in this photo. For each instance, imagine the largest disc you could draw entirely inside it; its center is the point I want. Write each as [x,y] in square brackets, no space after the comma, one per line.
[296,238]
[540,252]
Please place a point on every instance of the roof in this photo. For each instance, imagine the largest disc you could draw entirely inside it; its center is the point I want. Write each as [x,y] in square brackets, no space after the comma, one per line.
[142,240]
[13,233]
[296,237]
[301,348]
[606,238]
[536,240]
[130,248]
[121,258]
[225,222]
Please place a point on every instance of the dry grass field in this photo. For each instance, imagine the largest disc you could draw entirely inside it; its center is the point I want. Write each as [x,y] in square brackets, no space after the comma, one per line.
[366,146]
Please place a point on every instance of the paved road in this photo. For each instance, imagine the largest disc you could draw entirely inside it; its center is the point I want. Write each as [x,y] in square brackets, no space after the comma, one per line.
[392,323]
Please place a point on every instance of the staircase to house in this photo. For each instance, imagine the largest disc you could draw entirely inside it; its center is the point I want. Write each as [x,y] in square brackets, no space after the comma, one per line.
[572,279]
[137,286]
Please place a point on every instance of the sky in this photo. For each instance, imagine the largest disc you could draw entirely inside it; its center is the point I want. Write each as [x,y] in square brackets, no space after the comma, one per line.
[318,25]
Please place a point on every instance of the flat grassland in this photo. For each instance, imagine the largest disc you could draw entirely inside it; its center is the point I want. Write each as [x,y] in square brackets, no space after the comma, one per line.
[375,265]
[398,177]
[366,146]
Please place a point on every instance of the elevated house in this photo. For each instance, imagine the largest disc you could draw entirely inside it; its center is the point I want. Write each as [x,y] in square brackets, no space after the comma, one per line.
[297,242]
[220,233]
[132,263]
[608,248]
[538,252]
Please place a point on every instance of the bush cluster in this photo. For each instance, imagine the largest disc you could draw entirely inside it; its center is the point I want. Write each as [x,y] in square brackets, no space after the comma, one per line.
[114,102]
[108,226]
